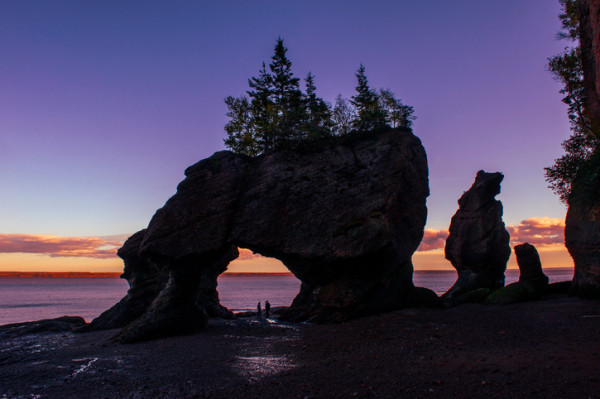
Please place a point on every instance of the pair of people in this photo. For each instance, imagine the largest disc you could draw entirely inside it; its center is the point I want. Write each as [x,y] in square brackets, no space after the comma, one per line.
[259,311]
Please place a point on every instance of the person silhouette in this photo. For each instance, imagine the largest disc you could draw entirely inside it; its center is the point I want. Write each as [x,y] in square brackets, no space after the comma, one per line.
[267,309]
[258,312]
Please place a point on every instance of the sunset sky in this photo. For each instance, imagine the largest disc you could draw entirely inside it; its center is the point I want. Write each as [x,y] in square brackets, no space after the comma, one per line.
[104,104]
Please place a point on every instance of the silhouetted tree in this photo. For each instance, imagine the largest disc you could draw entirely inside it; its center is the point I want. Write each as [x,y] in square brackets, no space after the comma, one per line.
[342,116]
[396,113]
[583,143]
[287,96]
[241,132]
[277,112]
[368,111]
[318,120]
[264,112]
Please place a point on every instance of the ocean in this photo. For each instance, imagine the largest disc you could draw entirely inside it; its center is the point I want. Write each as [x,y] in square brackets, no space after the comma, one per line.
[34,298]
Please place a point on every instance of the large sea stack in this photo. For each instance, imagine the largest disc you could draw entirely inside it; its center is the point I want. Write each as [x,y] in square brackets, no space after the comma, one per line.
[478,243]
[344,215]
[582,226]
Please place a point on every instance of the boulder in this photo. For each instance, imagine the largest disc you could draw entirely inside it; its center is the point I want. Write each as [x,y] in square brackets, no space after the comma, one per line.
[530,268]
[478,243]
[344,215]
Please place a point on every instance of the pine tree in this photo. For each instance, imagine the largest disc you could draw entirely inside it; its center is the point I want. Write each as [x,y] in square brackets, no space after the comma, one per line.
[369,114]
[263,109]
[318,120]
[287,97]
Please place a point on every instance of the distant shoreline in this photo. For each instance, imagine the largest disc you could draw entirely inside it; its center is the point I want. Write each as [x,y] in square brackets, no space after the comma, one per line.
[60,274]
[226,274]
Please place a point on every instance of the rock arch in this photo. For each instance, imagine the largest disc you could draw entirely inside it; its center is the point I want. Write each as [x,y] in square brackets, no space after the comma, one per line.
[344,216]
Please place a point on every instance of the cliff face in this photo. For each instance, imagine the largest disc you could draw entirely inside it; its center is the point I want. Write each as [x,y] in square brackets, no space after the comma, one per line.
[582,226]
[582,231]
[345,216]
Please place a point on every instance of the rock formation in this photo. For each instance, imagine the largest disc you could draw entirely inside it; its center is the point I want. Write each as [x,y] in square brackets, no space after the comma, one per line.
[582,234]
[477,245]
[530,267]
[145,282]
[344,215]
[582,226]
[532,283]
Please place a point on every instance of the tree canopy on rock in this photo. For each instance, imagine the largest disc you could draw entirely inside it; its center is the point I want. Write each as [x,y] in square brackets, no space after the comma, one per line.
[276,112]
[584,141]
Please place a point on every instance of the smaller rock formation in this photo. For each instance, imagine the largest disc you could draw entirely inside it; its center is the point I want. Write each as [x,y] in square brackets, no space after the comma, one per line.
[532,283]
[478,243]
[530,267]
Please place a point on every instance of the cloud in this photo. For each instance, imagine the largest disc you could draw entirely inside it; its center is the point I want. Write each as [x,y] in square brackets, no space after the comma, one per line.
[538,231]
[433,239]
[55,246]
[246,254]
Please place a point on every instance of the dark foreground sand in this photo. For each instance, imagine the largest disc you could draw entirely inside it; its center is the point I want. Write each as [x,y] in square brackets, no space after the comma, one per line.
[544,349]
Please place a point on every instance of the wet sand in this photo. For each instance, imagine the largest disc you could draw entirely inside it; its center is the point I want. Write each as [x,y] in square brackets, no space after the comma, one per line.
[544,349]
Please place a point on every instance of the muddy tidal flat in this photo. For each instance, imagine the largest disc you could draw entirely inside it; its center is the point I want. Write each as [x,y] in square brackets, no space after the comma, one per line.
[543,349]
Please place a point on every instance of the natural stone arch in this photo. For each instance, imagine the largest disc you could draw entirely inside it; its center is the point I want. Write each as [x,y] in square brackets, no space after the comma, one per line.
[344,215]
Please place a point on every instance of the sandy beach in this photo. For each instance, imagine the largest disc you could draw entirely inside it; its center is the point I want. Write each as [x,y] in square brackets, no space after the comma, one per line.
[543,349]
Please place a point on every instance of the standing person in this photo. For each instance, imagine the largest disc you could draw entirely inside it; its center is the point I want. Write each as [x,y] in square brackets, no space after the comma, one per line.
[258,312]
[267,309]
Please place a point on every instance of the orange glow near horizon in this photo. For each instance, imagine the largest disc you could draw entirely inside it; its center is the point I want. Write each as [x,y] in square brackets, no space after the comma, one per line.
[25,262]
[551,257]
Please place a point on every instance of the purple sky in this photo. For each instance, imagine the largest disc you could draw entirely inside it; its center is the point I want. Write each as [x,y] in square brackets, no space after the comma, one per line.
[104,104]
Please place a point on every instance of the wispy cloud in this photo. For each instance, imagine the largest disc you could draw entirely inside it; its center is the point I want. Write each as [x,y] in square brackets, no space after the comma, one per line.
[433,239]
[538,231]
[56,246]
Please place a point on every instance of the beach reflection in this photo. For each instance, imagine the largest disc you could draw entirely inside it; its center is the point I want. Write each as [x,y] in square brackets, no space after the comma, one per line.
[256,367]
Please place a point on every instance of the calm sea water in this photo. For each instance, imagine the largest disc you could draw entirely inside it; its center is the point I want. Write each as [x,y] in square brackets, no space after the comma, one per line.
[26,299]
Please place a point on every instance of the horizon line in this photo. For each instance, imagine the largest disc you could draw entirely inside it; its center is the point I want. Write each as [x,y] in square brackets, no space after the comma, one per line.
[68,274]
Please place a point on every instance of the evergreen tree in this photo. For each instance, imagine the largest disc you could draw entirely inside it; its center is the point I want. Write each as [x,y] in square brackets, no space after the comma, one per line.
[583,143]
[287,96]
[397,114]
[369,114]
[318,121]
[263,109]
[241,134]
[342,116]
[277,112]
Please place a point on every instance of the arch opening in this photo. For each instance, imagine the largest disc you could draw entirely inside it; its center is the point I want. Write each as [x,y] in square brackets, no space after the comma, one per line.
[252,278]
